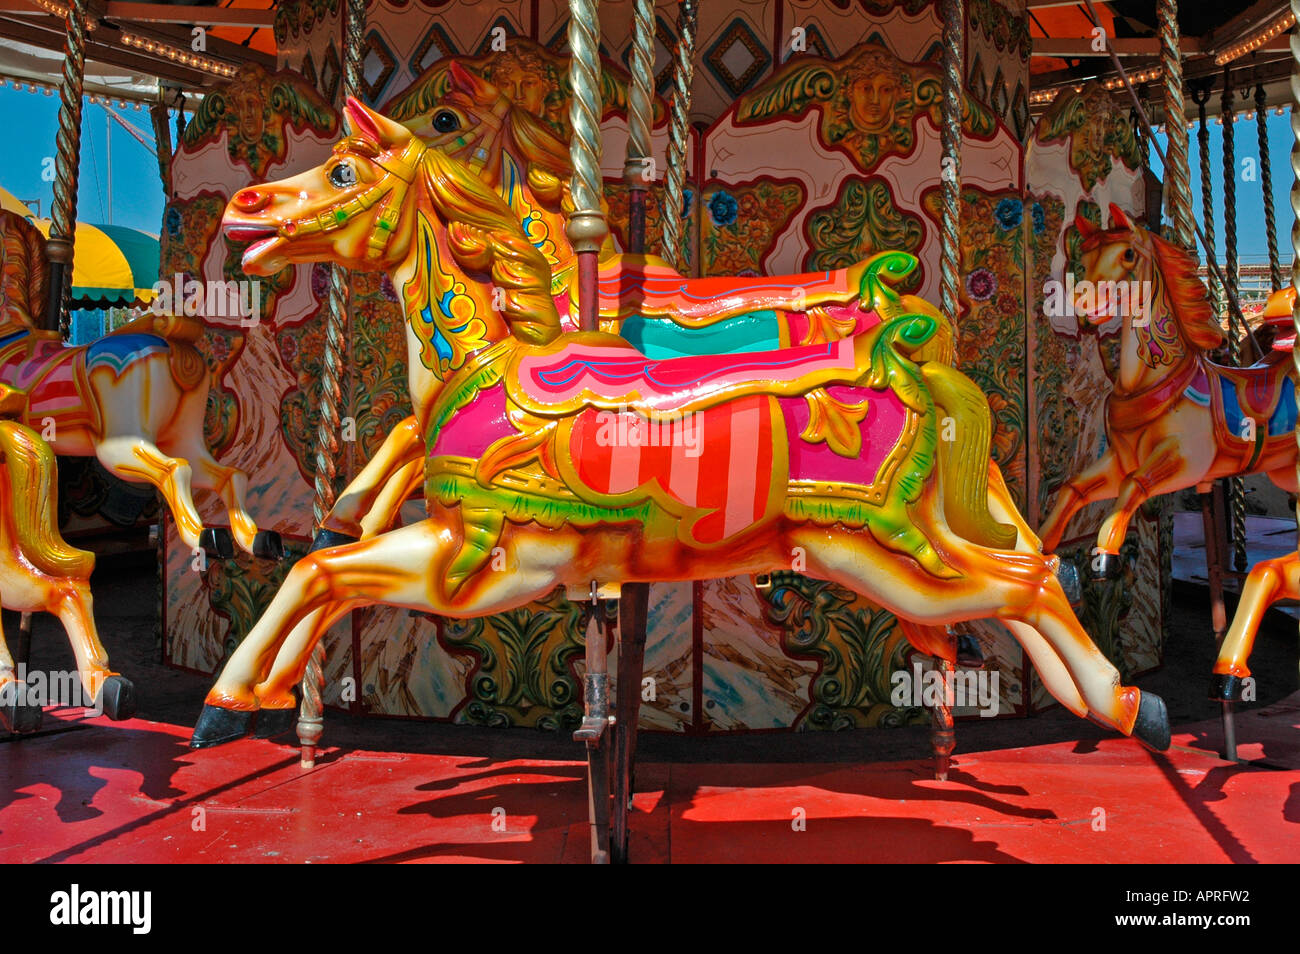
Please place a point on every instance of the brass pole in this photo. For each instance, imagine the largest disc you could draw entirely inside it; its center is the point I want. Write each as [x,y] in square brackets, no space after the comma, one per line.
[311,712]
[1177,172]
[676,241]
[63,216]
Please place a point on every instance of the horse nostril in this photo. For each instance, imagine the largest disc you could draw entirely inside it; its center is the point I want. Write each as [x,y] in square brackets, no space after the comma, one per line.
[251,200]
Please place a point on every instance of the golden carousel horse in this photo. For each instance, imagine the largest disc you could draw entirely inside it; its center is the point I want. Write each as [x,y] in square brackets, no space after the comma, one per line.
[641,296]
[135,399]
[1174,418]
[40,572]
[829,451]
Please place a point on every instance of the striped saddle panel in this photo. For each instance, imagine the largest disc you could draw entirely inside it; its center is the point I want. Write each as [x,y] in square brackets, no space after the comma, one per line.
[720,461]
[54,378]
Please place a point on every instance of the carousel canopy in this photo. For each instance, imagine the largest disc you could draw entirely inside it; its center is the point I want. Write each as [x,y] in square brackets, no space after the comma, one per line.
[111,265]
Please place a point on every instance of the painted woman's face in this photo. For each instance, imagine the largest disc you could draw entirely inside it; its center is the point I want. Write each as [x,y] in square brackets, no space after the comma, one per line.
[871,102]
[521,87]
[251,121]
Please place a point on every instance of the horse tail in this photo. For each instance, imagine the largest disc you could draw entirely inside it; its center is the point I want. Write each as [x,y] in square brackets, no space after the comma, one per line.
[964,460]
[30,469]
[24,274]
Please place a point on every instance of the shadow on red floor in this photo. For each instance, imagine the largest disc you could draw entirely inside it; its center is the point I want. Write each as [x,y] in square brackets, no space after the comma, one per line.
[97,791]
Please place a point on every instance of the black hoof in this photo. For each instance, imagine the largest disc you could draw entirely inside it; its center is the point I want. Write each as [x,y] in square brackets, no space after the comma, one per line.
[217,543]
[1104,566]
[1152,725]
[1224,688]
[275,722]
[330,538]
[970,655]
[116,698]
[267,545]
[217,726]
[16,714]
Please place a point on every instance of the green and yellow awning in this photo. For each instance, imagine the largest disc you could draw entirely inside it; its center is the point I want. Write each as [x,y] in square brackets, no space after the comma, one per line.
[111,265]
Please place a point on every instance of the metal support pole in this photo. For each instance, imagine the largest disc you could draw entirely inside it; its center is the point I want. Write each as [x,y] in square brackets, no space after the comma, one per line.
[63,216]
[676,241]
[311,711]
[1177,172]
[1266,183]
[1236,322]
[943,735]
[1201,95]
[950,142]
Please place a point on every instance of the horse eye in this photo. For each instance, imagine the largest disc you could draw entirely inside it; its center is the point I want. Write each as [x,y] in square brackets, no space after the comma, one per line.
[1129,256]
[445,121]
[342,176]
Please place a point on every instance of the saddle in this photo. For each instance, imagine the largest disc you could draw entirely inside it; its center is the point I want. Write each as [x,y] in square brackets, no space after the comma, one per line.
[53,378]
[1256,392]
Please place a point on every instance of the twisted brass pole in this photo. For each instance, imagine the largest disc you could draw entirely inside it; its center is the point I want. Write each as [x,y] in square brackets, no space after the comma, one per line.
[311,712]
[1177,172]
[1236,485]
[63,216]
[676,242]
[638,167]
[953,14]
[1266,183]
[1201,94]
[1295,197]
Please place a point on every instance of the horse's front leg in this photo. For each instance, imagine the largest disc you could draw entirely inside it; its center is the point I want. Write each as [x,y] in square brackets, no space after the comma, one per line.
[370,503]
[1164,463]
[1268,582]
[1098,481]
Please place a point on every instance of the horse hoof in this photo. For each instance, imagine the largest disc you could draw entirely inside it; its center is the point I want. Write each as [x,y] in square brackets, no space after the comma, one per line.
[117,698]
[15,714]
[217,726]
[1152,725]
[268,545]
[330,538]
[1105,566]
[275,722]
[1226,688]
[217,543]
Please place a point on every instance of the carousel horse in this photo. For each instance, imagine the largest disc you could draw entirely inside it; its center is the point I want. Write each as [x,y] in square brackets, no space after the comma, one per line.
[1174,419]
[562,459]
[642,297]
[1269,580]
[39,571]
[134,400]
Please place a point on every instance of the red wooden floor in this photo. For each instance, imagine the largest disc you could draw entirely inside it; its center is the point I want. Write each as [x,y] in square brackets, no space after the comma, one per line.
[134,792]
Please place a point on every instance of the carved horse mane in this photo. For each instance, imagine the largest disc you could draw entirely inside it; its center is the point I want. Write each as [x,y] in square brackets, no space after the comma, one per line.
[23,274]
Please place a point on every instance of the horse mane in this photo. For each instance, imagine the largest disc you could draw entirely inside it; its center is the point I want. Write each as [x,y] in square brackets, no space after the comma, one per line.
[1187,295]
[33,492]
[24,275]
[548,165]
[485,236]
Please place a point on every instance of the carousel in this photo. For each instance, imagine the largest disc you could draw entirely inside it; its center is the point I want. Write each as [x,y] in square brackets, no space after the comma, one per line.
[847,403]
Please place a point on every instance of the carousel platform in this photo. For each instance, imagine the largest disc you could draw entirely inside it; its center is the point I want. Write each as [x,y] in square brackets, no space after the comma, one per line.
[95,791]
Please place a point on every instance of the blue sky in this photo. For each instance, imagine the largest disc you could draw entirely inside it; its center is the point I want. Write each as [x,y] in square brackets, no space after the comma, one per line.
[138,196]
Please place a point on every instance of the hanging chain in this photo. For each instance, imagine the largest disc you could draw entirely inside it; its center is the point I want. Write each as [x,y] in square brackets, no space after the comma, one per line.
[1201,95]
[1266,183]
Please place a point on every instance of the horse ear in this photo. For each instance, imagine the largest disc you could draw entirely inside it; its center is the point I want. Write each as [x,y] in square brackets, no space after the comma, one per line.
[1118,220]
[378,129]
[472,85]
[1084,227]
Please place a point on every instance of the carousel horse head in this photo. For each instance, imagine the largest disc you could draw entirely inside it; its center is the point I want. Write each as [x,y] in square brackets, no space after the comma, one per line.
[477,122]
[1132,273]
[384,201]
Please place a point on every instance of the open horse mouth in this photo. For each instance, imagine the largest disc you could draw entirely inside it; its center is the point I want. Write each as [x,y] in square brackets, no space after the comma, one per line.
[264,239]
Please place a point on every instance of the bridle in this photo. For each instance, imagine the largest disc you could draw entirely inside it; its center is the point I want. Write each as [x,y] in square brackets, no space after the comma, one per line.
[388,193]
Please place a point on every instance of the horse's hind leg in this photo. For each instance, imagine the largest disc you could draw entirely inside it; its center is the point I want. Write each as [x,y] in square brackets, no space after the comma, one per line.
[371,501]
[135,459]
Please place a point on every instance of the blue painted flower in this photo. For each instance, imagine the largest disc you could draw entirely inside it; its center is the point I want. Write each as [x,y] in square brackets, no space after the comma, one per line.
[688,197]
[1009,212]
[1039,217]
[320,280]
[174,223]
[981,284]
[723,208]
